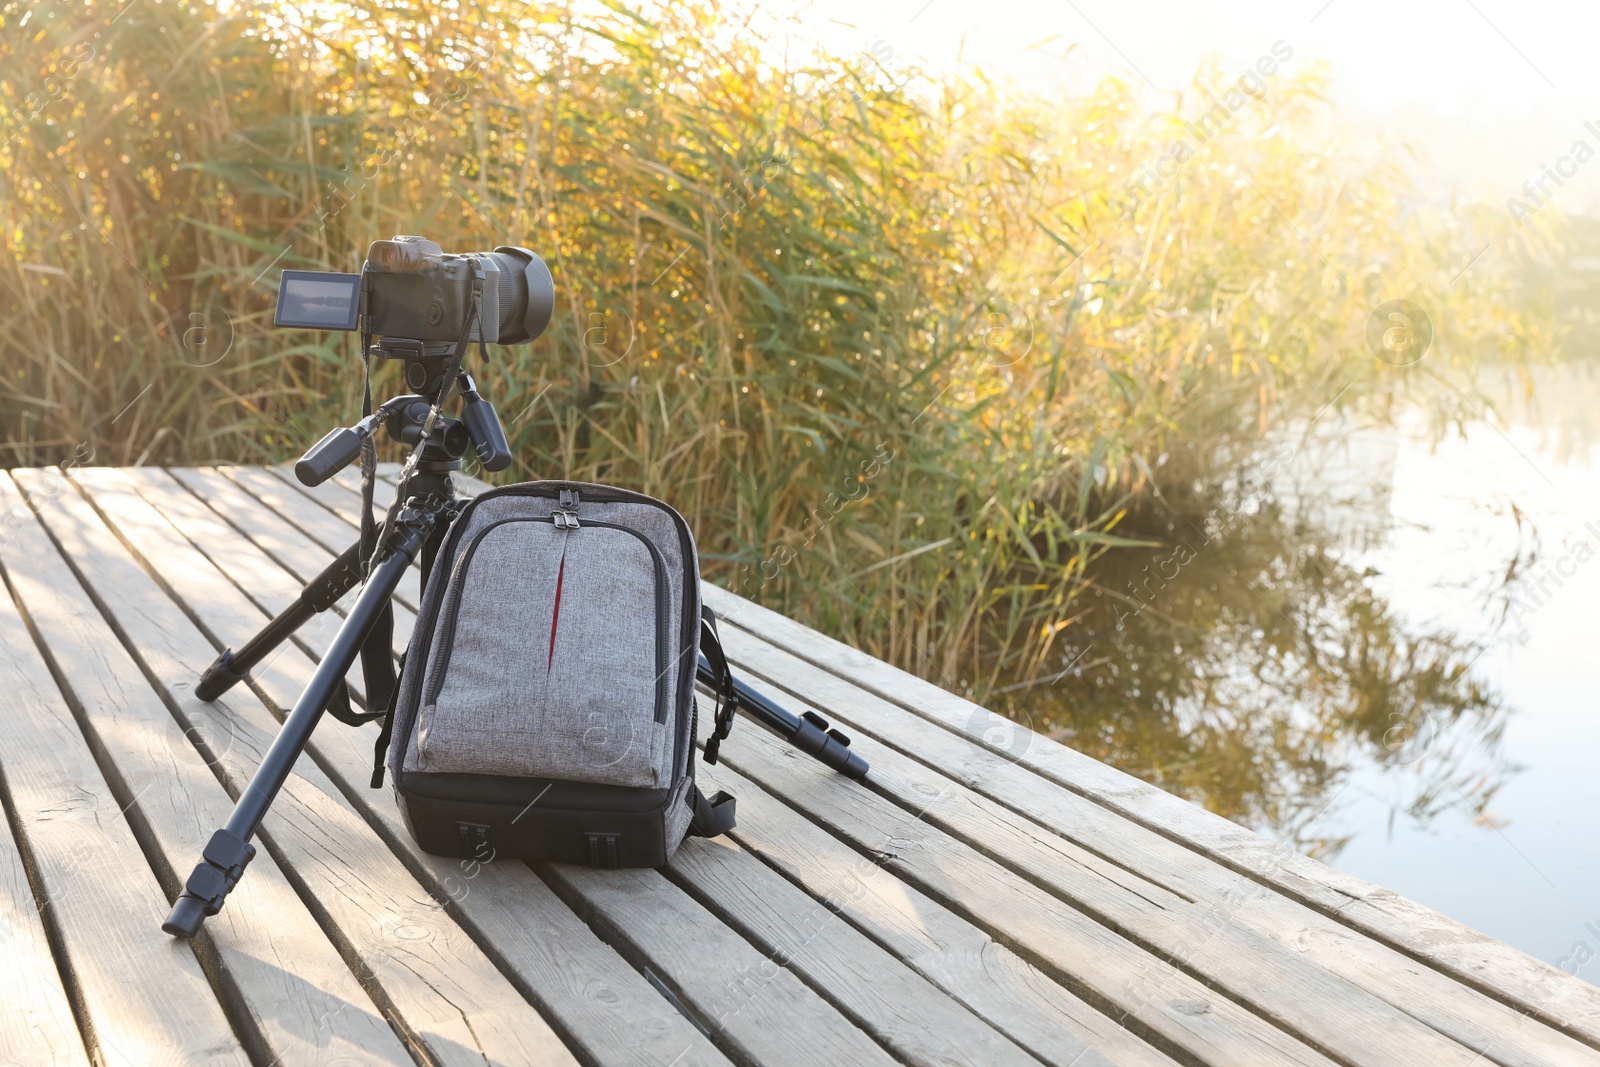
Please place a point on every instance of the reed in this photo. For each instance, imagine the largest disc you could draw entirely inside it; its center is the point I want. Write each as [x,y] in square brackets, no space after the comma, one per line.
[901,348]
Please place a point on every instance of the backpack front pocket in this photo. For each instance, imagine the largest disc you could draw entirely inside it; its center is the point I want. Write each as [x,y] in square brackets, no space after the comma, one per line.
[550,658]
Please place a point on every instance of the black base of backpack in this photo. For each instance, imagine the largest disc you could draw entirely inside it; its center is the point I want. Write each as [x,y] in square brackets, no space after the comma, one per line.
[417,525]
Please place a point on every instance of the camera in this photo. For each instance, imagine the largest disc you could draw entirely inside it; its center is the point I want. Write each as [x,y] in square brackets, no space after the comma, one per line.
[418,298]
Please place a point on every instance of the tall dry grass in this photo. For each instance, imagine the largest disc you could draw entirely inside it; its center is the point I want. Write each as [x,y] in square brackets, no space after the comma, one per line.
[900,348]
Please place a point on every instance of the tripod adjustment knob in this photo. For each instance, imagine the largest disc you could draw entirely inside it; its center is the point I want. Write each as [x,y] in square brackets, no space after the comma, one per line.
[328,456]
[484,426]
[337,451]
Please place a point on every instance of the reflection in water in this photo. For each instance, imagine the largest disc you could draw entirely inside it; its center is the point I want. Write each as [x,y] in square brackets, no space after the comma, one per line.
[1251,665]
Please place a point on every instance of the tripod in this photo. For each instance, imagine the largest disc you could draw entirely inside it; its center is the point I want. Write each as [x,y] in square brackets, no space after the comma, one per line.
[416,524]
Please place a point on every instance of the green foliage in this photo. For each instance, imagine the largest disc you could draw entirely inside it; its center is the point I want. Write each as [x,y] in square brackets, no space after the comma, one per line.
[903,350]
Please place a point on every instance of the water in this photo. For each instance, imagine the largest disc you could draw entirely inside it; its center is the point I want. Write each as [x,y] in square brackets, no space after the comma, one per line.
[1526,868]
[1378,646]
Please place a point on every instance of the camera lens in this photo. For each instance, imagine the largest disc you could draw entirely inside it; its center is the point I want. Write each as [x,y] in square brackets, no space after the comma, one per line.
[527,294]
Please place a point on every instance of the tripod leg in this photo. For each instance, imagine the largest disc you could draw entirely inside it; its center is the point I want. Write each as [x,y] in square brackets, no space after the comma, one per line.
[809,732]
[229,849]
[320,594]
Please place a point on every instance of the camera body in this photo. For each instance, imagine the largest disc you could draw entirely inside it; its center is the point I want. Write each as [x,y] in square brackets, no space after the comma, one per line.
[411,290]
[431,301]
[417,291]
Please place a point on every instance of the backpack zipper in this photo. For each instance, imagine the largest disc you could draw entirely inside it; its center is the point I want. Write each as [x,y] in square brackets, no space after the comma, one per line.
[663,597]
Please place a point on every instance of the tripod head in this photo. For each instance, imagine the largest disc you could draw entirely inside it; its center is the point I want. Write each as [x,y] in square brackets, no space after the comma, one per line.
[404,418]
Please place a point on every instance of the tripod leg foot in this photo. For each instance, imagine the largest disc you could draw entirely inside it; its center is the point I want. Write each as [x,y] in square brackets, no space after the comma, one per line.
[220,868]
[187,915]
[816,738]
[218,678]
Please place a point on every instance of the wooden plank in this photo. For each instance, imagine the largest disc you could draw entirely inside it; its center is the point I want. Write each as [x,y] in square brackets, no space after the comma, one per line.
[270,582]
[969,965]
[256,574]
[613,1011]
[148,1000]
[280,967]
[243,537]
[548,953]
[992,786]
[910,1016]
[1280,985]
[321,525]
[252,571]
[337,498]
[428,972]
[754,1003]
[1529,985]
[1116,974]
[305,514]
[36,1024]
[690,972]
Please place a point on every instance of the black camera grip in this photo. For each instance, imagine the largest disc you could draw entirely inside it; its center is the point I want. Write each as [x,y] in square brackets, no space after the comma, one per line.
[328,456]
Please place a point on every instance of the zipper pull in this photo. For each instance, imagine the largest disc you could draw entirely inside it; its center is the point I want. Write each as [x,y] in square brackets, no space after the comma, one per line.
[567,517]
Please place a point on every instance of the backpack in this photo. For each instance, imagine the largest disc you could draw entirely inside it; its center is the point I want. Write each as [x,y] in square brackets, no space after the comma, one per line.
[546,704]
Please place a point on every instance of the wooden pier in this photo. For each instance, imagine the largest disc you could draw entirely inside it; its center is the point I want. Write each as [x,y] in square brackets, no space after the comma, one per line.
[985,897]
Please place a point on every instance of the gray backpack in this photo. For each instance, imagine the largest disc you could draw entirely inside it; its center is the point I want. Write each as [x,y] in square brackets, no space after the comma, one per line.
[546,705]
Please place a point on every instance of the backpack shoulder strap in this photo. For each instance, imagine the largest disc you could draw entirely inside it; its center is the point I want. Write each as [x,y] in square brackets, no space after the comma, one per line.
[712,816]
[377,669]
[380,748]
[727,697]
[340,708]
